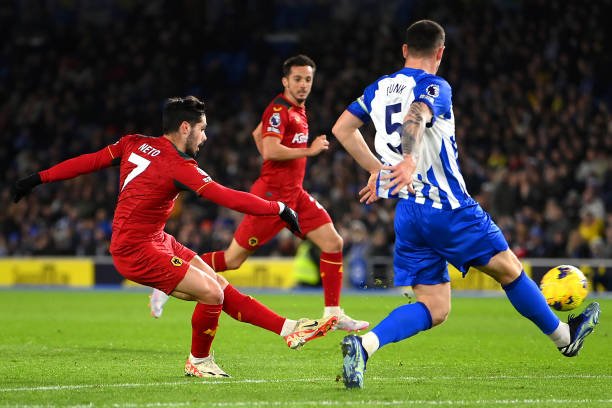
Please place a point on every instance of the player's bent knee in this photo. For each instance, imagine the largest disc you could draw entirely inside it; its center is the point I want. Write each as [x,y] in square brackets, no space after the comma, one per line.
[339,243]
[222,281]
[439,309]
[504,267]
[505,276]
[439,317]
[333,244]
[212,297]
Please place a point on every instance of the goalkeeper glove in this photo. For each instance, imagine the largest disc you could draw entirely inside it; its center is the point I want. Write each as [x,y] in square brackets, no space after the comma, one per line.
[24,186]
[290,217]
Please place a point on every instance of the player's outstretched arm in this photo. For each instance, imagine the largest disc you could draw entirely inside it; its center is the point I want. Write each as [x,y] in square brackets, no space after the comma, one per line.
[248,203]
[67,169]
[290,217]
[24,186]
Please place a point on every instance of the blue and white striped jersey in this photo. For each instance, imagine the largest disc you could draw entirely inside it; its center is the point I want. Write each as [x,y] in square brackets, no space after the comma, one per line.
[437,180]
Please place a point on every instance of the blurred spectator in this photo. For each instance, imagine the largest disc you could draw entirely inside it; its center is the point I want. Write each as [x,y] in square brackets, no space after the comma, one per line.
[592,204]
[590,228]
[535,115]
[606,250]
[577,247]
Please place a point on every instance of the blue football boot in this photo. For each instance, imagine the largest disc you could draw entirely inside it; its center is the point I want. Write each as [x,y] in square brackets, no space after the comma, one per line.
[580,327]
[354,365]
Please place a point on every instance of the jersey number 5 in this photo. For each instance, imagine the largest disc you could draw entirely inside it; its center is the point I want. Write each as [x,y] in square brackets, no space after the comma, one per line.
[141,165]
[391,126]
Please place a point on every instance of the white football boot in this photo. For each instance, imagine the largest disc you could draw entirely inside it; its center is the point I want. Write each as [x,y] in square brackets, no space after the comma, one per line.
[347,323]
[157,300]
[205,368]
[306,330]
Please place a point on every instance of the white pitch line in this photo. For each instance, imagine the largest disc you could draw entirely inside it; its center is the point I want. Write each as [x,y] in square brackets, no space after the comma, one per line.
[230,381]
[494,377]
[327,403]
[334,403]
[225,381]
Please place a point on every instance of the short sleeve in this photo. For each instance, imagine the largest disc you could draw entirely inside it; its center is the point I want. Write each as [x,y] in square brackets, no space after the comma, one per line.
[362,106]
[436,93]
[274,121]
[358,108]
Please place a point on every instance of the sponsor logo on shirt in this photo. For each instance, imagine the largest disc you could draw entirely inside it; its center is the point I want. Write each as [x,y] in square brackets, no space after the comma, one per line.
[300,138]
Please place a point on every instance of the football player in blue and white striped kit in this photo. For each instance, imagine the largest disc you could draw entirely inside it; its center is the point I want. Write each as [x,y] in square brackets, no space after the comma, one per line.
[436,220]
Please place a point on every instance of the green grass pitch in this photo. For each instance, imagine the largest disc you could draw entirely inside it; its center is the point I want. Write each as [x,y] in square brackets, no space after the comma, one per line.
[102,349]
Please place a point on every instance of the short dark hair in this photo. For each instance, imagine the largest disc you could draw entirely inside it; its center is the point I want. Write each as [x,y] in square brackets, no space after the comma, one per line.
[297,61]
[424,37]
[178,110]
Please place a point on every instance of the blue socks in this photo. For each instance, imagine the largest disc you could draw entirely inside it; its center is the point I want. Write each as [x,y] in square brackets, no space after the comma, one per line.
[408,320]
[403,322]
[527,299]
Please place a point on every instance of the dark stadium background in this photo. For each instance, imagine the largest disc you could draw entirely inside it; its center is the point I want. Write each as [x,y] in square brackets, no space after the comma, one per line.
[532,98]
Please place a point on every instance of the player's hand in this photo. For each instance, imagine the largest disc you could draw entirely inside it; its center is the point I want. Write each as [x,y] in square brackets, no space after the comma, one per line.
[291,218]
[400,175]
[24,186]
[319,144]
[368,193]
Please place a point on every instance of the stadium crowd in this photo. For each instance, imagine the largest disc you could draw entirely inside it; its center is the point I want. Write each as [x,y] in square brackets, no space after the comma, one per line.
[532,98]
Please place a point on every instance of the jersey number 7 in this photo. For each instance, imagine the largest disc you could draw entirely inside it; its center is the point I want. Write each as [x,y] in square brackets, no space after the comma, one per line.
[141,165]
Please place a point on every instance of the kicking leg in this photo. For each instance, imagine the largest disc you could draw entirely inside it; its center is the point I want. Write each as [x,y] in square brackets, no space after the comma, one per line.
[247,309]
[528,300]
[158,299]
[523,293]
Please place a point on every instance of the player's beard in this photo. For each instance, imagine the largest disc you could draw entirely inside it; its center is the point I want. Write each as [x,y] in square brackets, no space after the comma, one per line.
[191,146]
[301,99]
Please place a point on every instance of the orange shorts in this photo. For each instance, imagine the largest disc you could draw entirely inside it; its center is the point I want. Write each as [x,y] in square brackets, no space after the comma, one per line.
[160,263]
[254,231]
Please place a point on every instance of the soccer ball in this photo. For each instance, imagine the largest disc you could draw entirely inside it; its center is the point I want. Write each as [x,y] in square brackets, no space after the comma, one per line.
[564,287]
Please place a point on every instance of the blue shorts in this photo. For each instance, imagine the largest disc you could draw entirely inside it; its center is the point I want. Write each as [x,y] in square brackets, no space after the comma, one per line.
[426,238]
